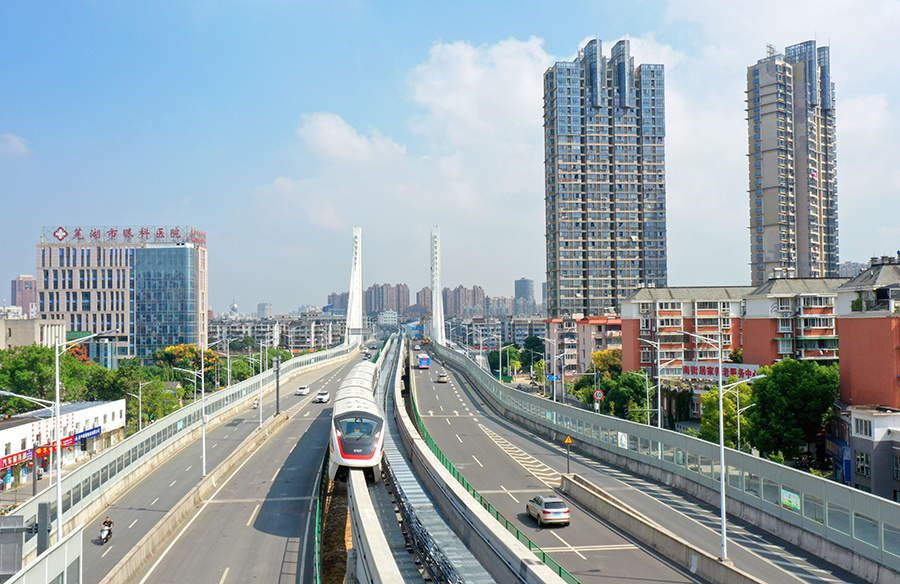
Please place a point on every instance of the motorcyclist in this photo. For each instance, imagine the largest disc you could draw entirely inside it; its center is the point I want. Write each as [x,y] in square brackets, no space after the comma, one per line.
[108,523]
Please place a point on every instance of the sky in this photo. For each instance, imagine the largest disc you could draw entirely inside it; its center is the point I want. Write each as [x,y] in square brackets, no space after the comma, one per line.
[277,126]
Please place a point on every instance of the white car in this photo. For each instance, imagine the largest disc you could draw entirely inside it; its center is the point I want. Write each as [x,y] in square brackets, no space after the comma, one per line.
[442,378]
[302,390]
[322,397]
[548,509]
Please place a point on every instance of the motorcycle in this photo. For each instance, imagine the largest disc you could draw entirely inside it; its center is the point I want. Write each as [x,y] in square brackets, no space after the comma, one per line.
[105,534]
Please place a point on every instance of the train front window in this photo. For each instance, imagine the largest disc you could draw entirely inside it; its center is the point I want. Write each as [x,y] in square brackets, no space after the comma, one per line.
[358,427]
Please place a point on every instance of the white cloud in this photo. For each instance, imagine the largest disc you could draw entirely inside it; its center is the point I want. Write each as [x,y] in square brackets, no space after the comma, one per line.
[12,146]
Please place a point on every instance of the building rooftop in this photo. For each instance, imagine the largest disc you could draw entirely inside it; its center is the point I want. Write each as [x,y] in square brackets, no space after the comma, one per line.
[690,293]
[878,275]
[794,286]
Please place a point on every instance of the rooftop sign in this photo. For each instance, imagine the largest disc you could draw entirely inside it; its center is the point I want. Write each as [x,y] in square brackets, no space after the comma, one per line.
[133,234]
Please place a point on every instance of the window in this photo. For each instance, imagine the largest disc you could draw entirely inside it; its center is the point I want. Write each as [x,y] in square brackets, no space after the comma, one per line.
[707,305]
[862,464]
[785,325]
[897,468]
[670,322]
[670,305]
[862,427]
[24,444]
[645,324]
[7,450]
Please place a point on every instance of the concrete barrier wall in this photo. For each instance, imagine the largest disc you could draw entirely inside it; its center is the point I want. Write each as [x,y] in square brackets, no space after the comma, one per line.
[653,535]
[374,560]
[501,554]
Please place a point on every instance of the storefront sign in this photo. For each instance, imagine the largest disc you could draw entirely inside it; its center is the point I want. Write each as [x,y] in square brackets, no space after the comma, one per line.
[710,370]
[134,234]
[86,434]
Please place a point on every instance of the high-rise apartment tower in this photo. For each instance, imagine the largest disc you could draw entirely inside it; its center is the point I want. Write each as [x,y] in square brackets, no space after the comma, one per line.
[605,199]
[793,190]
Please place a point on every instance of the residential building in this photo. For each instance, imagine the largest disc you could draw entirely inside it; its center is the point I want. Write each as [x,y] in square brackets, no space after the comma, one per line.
[524,301]
[574,340]
[388,318]
[24,295]
[652,321]
[605,201]
[264,310]
[791,318]
[792,158]
[868,330]
[145,286]
[519,328]
[339,300]
[423,299]
[851,269]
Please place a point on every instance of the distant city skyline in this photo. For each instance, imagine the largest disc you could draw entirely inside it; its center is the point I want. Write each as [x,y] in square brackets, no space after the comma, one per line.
[277,142]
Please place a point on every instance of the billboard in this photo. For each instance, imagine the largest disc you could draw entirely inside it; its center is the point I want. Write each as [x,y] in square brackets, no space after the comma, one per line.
[710,370]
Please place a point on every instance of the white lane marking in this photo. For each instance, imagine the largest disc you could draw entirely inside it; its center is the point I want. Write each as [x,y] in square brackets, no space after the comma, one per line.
[306,414]
[591,548]
[172,483]
[253,515]
[224,575]
[478,461]
[226,435]
[132,524]
[437,397]
[196,515]
[568,545]
[214,445]
[274,476]
[448,421]
[154,501]
[189,468]
[109,549]
[513,497]
[442,407]
[457,437]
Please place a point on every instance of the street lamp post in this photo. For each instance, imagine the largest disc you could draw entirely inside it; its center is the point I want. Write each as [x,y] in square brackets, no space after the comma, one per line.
[737,394]
[718,344]
[62,347]
[553,361]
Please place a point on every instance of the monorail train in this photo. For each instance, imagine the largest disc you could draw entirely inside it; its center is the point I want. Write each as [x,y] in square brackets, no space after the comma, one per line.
[357,425]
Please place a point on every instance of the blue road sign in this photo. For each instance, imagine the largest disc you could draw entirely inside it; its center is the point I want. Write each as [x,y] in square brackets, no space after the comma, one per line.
[553,377]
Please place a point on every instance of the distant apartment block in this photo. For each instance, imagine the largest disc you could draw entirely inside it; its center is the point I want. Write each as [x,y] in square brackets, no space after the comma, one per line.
[792,159]
[605,190]
[573,341]
[24,295]
[146,285]
[264,310]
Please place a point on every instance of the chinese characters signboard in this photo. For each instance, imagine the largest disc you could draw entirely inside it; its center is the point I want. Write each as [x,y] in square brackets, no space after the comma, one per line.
[710,370]
[135,234]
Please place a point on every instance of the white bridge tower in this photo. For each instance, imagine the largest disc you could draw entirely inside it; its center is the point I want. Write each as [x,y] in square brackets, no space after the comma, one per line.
[437,297]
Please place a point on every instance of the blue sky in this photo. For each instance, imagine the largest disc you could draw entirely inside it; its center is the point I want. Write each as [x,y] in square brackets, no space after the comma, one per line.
[277,126]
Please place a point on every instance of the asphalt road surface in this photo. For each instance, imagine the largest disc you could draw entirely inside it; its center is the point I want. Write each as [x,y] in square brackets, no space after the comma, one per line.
[282,497]
[508,465]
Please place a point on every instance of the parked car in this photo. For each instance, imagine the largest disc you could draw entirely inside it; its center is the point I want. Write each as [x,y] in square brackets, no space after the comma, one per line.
[322,397]
[442,378]
[548,509]
[302,390]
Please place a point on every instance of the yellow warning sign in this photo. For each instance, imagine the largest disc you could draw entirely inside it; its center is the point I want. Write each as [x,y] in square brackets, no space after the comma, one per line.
[568,440]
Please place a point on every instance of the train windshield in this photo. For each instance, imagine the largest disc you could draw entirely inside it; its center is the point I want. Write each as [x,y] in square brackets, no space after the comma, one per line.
[358,427]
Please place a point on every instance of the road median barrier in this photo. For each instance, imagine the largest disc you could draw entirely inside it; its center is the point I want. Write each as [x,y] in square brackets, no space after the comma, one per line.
[652,535]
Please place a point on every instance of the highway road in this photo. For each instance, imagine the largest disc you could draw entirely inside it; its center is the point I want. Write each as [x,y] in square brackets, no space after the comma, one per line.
[508,465]
[476,444]
[147,502]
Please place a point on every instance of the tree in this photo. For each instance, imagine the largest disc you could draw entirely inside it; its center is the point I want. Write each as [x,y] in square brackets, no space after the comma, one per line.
[736,356]
[793,404]
[27,370]
[709,415]
[608,361]
[187,356]
[626,392]
[532,350]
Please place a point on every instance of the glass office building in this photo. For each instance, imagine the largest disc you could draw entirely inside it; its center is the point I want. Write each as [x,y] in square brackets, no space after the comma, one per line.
[166,297]
[605,194]
[792,158]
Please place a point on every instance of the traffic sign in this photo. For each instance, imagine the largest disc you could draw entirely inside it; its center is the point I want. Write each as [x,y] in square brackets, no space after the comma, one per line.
[553,377]
[598,395]
[568,440]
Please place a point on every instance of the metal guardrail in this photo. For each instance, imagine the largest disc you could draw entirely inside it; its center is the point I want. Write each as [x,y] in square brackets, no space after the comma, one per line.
[85,484]
[510,527]
[854,520]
